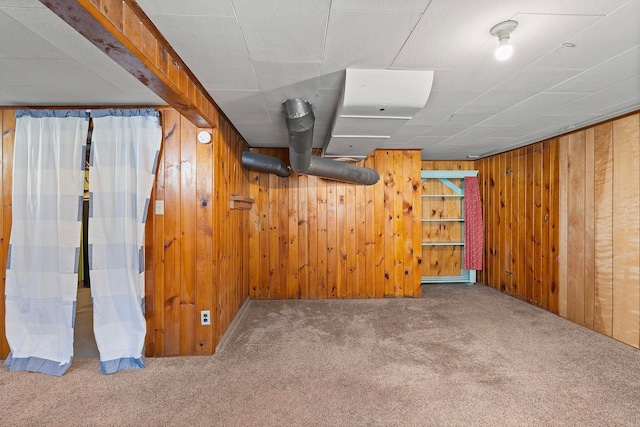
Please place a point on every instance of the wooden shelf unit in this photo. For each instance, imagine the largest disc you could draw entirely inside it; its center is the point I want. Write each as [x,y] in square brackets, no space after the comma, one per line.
[443,227]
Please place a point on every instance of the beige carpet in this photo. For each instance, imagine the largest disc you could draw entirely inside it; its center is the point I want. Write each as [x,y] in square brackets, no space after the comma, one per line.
[464,355]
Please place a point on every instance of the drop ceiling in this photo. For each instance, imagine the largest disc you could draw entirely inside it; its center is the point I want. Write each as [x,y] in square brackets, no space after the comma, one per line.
[251,55]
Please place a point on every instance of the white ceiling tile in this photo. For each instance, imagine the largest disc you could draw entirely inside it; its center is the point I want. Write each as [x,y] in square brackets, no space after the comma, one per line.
[58,33]
[620,68]
[440,106]
[278,121]
[474,134]
[307,90]
[532,108]
[606,38]
[575,7]
[422,142]
[365,39]
[187,7]
[627,91]
[455,123]
[451,31]
[22,3]
[333,80]
[517,89]
[407,133]
[242,106]
[26,43]
[274,75]
[228,66]
[282,30]
[382,5]
[324,104]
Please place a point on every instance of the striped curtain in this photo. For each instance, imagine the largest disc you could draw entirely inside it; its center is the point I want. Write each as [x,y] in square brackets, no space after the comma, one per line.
[42,264]
[124,152]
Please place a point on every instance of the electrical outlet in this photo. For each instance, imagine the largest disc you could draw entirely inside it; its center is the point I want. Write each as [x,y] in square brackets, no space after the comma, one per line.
[205,317]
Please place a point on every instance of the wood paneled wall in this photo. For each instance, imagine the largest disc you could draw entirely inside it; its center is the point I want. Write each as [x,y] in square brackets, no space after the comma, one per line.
[313,238]
[196,253]
[600,228]
[519,191]
[8,126]
[562,226]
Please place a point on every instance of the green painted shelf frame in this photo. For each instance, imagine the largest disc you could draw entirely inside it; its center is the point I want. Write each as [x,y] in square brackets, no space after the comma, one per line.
[444,176]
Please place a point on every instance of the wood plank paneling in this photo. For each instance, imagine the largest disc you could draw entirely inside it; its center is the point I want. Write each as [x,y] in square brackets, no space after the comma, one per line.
[575,233]
[363,237]
[603,200]
[516,198]
[8,127]
[575,224]
[626,230]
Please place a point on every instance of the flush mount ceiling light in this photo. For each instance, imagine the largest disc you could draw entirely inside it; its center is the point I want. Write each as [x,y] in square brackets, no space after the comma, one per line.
[502,31]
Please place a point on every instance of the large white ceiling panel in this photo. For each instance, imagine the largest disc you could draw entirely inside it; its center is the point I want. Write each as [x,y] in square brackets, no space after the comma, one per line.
[517,89]
[365,39]
[31,45]
[273,75]
[48,26]
[251,55]
[455,123]
[623,92]
[572,7]
[532,108]
[283,30]
[274,98]
[187,7]
[382,5]
[22,3]
[451,31]
[440,106]
[608,37]
[212,48]
[620,68]
[242,106]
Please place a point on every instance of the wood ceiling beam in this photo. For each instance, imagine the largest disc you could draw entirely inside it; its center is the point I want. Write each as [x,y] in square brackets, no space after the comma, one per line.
[125,33]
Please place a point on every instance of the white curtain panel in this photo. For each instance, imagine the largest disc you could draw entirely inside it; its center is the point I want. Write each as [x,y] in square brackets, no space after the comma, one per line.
[124,152]
[42,264]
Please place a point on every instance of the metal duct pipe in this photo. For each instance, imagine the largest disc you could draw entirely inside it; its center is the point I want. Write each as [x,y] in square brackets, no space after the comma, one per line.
[262,163]
[300,120]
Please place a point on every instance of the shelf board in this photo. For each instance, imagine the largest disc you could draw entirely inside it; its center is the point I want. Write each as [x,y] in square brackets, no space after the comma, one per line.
[443,220]
[459,196]
[442,243]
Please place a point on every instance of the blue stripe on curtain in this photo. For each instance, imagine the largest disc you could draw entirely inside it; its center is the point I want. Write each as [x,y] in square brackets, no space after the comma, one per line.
[125,145]
[38,114]
[36,364]
[41,283]
[129,112]
[122,364]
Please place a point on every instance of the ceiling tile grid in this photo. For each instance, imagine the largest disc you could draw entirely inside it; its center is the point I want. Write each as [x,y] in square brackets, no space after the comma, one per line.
[252,55]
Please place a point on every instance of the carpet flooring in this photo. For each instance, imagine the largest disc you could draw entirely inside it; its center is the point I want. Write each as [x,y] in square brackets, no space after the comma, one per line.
[463,355]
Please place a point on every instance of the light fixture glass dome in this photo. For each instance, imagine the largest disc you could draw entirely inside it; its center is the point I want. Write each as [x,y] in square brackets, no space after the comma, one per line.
[502,31]
[505,50]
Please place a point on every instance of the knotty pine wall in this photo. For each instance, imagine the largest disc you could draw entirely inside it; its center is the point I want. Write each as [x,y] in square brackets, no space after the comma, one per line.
[312,238]
[519,191]
[8,126]
[562,226]
[196,253]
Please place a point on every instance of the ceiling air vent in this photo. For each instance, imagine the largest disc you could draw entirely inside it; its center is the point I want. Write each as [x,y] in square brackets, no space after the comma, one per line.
[374,104]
